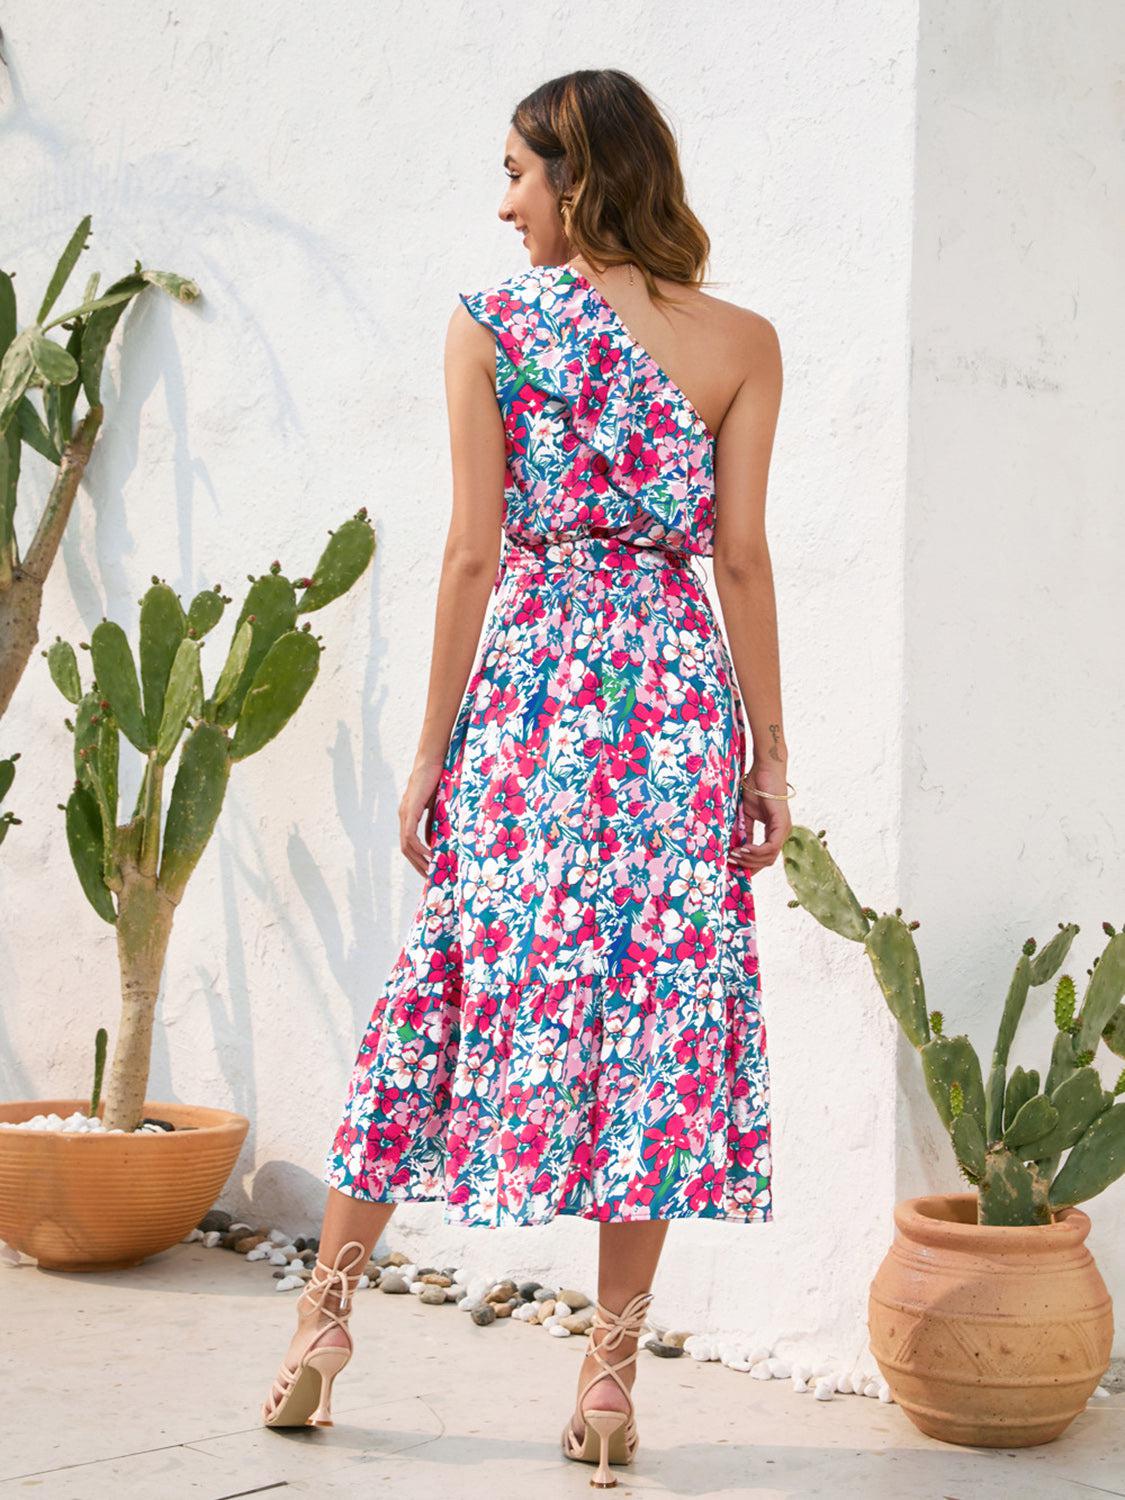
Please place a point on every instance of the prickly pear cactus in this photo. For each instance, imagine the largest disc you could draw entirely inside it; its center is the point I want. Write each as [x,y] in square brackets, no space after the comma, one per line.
[135,871]
[7,776]
[34,365]
[1008,1137]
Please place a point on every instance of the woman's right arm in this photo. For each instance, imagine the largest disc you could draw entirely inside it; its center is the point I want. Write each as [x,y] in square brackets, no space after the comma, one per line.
[744,581]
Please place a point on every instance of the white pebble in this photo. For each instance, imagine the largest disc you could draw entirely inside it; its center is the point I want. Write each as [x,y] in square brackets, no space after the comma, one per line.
[758,1354]
[288,1283]
[259,1252]
[742,1365]
[461,1277]
[278,1237]
[211,1239]
[408,1272]
[277,1259]
[563,1310]
[871,1388]
[364,1280]
[844,1385]
[417,1287]
[1100,1392]
[761,1371]
[800,1385]
[452,1294]
[191,1237]
[8,1255]
[779,1369]
[823,1391]
[556,1330]
[822,1369]
[646,1338]
[551,1322]
[800,1372]
[296,1263]
[885,1392]
[466,1304]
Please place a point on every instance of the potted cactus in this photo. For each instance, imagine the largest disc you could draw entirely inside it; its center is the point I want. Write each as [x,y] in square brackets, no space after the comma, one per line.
[112,1196]
[988,1317]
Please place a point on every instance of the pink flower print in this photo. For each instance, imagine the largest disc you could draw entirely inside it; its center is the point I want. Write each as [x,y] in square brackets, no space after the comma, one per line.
[604,356]
[502,703]
[657,1151]
[609,843]
[696,945]
[509,843]
[661,419]
[708,801]
[706,1189]
[603,797]
[627,758]
[639,958]
[443,867]
[490,940]
[640,460]
[588,689]
[410,1010]
[505,797]
[684,1047]
[701,706]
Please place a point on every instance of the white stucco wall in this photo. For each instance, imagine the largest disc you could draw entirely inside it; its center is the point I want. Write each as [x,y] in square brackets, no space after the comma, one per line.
[331,209]
[1013,718]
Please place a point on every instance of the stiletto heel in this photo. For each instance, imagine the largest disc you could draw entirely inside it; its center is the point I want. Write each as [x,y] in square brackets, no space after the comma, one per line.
[610,1436]
[329,1362]
[299,1404]
[606,1424]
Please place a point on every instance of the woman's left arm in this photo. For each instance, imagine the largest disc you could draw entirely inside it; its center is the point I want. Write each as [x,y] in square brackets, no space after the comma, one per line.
[469,562]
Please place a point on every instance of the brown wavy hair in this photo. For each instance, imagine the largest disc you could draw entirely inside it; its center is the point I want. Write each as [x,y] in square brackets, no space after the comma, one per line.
[613,163]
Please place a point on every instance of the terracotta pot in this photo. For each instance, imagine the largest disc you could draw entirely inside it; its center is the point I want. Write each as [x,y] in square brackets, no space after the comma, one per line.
[988,1334]
[81,1202]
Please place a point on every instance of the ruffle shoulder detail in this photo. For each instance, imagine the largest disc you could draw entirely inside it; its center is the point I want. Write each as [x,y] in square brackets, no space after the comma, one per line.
[648,454]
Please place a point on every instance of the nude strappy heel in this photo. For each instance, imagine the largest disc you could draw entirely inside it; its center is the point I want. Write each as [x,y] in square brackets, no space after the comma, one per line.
[307,1386]
[610,1436]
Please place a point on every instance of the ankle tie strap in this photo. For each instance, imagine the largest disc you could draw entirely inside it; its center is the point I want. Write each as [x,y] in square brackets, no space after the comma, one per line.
[340,1270]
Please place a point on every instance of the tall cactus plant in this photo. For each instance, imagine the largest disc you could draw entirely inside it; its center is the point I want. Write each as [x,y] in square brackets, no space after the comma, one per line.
[134,873]
[29,362]
[1008,1135]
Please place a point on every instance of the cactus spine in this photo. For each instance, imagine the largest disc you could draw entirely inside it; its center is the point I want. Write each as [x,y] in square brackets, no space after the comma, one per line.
[1007,1136]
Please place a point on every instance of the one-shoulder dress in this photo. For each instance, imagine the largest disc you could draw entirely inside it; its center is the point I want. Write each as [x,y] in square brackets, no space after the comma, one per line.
[573,1024]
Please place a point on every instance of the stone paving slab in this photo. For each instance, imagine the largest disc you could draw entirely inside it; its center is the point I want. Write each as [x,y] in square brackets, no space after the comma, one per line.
[145,1385]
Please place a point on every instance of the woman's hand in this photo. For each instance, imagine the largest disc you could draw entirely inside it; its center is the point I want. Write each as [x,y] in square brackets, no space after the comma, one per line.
[419,798]
[771,812]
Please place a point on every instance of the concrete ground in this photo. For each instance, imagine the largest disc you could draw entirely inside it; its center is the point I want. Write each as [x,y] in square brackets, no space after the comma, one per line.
[147,1383]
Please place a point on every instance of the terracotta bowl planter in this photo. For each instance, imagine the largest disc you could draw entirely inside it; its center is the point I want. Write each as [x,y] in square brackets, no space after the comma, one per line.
[82,1202]
[989,1335]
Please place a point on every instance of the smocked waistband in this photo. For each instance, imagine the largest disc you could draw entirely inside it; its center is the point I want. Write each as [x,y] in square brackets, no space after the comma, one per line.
[591,554]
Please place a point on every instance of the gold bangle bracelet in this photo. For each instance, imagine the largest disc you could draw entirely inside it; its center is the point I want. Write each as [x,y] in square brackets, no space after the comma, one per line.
[758,792]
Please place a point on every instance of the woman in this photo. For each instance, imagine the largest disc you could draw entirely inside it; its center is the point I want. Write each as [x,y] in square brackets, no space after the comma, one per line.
[572,1025]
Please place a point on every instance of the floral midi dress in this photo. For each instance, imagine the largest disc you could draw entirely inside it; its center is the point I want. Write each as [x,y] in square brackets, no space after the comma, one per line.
[573,1024]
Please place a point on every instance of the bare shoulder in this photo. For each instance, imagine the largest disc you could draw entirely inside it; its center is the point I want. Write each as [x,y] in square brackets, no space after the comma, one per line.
[745,338]
[736,339]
